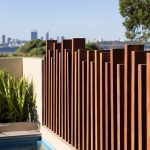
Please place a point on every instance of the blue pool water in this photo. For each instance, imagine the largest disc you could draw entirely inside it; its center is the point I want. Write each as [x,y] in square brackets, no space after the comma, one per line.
[26,145]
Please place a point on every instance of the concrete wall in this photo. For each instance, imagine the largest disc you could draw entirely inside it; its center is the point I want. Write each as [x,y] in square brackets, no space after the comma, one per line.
[32,69]
[13,65]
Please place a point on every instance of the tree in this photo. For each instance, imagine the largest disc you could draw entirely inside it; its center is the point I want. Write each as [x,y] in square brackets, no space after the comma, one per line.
[137,19]
[91,46]
[33,48]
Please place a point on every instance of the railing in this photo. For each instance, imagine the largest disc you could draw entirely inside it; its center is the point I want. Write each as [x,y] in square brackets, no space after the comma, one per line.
[98,100]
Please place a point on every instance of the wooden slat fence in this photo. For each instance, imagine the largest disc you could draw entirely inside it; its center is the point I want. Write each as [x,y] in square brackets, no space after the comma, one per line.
[98,100]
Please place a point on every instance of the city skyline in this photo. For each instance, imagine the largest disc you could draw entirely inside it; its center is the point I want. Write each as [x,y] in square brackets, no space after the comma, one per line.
[7,41]
[89,19]
[39,35]
[34,35]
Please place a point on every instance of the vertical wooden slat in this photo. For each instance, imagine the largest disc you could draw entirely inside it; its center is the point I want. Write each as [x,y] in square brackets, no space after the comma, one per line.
[90,57]
[136,58]
[120,106]
[59,91]
[45,94]
[72,98]
[76,101]
[97,98]
[116,57]
[65,95]
[48,89]
[43,91]
[78,43]
[50,54]
[50,101]
[83,105]
[81,57]
[144,90]
[143,93]
[133,80]
[62,93]
[92,92]
[107,108]
[127,92]
[141,107]
[47,77]
[51,91]
[79,100]
[69,95]
[148,101]
[53,88]
[88,103]
[104,57]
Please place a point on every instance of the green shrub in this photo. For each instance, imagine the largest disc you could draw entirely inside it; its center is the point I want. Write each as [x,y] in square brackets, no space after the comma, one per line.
[92,46]
[32,48]
[17,102]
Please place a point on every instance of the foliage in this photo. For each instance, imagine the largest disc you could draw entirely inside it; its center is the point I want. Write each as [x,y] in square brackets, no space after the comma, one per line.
[137,19]
[4,55]
[11,55]
[17,102]
[33,48]
[91,46]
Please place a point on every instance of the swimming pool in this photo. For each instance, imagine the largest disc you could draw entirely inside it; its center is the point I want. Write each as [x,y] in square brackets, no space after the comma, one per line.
[25,144]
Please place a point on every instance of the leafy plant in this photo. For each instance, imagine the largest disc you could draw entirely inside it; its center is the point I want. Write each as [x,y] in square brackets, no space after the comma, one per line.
[17,102]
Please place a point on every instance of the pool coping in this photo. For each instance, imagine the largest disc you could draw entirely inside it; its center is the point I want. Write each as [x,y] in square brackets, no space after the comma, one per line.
[19,134]
[55,140]
[18,131]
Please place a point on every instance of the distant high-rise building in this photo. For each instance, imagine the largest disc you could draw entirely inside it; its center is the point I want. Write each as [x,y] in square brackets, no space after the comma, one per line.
[34,35]
[3,39]
[42,38]
[57,39]
[47,35]
[62,38]
[8,40]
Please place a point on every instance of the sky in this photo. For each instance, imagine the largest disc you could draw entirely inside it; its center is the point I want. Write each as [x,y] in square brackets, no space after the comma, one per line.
[91,19]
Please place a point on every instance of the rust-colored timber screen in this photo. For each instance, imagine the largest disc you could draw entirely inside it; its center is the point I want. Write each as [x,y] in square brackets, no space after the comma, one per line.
[100,99]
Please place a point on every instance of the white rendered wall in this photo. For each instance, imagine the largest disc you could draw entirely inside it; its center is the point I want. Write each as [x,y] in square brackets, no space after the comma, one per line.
[32,69]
